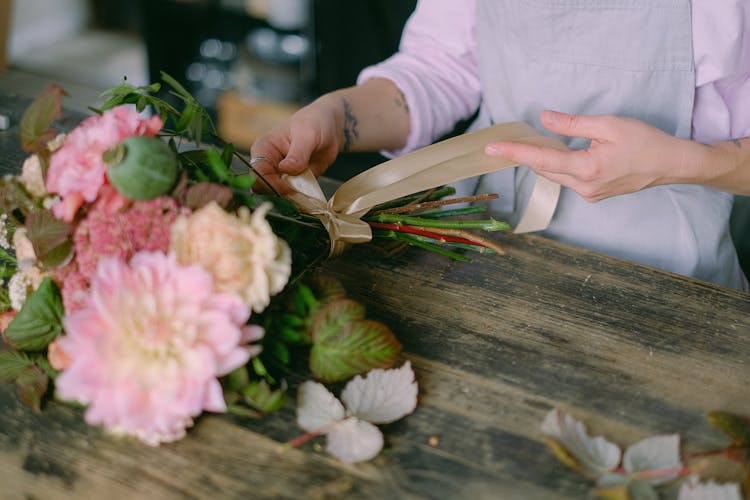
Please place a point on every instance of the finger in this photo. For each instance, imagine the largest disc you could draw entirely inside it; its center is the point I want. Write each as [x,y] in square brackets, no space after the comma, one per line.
[589,127]
[541,159]
[297,159]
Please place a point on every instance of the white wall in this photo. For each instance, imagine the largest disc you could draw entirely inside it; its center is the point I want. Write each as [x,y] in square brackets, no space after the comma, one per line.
[41,22]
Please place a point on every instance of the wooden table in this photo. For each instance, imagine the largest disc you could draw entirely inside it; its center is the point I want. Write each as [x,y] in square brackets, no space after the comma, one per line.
[495,344]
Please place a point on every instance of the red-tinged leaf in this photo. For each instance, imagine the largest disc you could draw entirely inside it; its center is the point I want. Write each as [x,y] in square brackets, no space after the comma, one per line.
[50,237]
[332,317]
[36,120]
[203,193]
[736,427]
[353,349]
[32,384]
[327,289]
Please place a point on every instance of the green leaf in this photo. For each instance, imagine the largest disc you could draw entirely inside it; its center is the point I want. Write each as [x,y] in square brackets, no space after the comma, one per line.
[333,317]
[641,490]
[303,300]
[32,384]
[50,238]
[736,427]
[36,120]
[242,411]
[217,165]
[344,345]
[15,201]
[187,116]
[290,335]
[176,86]
[197,120]
[281,353]
[227,153]
[237,379]
[8,263]
[244,181]
[39,321]
[259,395]
[12,363]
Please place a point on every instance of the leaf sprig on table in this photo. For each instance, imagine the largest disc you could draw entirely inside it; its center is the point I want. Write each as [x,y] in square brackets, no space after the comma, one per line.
[649,464]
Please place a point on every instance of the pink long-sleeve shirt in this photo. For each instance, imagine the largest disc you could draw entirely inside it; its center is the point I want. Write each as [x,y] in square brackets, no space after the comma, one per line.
[436,69]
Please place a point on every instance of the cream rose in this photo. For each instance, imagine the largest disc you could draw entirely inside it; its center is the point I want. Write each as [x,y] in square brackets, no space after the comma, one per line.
[241,252]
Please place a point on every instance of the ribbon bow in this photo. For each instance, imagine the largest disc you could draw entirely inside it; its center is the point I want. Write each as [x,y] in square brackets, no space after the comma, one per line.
[442,163]
[343,229]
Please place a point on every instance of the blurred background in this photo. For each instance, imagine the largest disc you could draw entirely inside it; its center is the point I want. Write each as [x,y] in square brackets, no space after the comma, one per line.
[252,63]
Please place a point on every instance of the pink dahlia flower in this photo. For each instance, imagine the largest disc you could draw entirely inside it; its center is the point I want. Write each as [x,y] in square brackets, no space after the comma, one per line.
[146,350]
[77,170]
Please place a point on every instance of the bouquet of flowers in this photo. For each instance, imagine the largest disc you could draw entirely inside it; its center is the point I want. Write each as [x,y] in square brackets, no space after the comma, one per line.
[145,279]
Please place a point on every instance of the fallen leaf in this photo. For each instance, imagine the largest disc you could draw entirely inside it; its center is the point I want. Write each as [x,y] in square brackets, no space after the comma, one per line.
[596,456]
[383,396]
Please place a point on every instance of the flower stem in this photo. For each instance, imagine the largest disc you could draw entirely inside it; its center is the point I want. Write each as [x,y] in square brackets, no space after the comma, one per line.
[436,203]
[414,240]
[445,234]
[486,225]
[439,214]
[390,230]
[657,473]
[300,440]
[252,169]
[429,195]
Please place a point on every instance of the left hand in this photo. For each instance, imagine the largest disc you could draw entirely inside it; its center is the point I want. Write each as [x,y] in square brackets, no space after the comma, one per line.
[625,155]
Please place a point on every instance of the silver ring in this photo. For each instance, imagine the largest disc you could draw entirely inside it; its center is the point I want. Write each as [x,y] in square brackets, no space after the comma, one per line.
[258,159]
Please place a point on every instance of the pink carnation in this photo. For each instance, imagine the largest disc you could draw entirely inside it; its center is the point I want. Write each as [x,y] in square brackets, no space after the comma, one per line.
[145,225]
[77,170]
[146,350]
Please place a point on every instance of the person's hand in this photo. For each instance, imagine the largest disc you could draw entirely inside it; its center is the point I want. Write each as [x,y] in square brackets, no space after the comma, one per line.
[625,155]
[310,139]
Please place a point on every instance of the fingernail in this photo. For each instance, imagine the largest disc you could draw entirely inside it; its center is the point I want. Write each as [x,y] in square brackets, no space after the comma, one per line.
[494,150]
[550,116]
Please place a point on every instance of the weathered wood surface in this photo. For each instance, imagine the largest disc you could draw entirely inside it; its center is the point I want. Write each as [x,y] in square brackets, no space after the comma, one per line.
[495,345]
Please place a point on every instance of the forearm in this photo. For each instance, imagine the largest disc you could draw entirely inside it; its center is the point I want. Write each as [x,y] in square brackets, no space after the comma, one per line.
[722,165]
[369,117]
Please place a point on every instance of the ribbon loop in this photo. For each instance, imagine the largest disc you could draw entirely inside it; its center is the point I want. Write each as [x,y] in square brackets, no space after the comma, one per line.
[442,163]
[343,229]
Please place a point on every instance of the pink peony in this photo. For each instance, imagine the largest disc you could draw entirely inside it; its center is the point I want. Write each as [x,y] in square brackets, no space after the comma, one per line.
[77,170]
[146,350]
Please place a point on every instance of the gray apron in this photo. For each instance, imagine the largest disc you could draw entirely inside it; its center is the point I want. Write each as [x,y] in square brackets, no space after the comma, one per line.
[630,58]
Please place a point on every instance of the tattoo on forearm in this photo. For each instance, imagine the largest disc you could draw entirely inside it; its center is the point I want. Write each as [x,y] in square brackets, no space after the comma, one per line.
[350,126]
[401,101]
[738,143]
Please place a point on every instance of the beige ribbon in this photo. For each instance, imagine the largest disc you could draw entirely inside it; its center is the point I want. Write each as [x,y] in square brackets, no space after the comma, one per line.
[442,163]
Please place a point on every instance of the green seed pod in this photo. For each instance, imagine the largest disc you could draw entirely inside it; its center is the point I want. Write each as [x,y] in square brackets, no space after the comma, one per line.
[142,168]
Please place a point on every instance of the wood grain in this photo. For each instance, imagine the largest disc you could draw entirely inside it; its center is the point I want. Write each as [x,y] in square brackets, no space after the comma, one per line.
[495,344]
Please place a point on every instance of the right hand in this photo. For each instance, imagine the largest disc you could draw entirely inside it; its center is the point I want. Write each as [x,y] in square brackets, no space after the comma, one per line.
[310,139]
